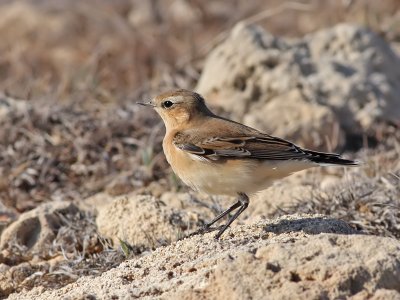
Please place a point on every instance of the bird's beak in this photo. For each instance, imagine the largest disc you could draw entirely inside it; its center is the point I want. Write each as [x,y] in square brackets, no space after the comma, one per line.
[151,104]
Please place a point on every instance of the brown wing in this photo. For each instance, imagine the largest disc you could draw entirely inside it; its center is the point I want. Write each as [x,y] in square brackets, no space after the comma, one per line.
[263,147]
[235,140]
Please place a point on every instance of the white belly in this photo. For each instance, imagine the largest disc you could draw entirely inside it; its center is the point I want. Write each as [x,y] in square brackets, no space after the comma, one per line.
[220,180]
[234,176]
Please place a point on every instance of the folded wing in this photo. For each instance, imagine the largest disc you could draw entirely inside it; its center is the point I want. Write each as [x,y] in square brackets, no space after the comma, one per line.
[261,147]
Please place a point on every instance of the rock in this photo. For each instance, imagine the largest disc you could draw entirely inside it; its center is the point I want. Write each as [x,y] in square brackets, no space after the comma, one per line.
[34,232]
[41,246]
[201,206]
[6,286]
[297,119]
[7,215]
[321,271]
[277,198]
[381,294]
[290,257]
[143,221]
[302,89]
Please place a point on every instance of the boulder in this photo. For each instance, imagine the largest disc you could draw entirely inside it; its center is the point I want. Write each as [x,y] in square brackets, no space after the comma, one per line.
[33,233]
[143,222]
[340,79]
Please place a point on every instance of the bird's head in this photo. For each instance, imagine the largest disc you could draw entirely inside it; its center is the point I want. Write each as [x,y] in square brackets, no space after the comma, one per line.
[179,107]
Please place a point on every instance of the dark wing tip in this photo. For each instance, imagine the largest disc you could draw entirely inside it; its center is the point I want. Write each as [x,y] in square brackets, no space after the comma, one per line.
[330,159]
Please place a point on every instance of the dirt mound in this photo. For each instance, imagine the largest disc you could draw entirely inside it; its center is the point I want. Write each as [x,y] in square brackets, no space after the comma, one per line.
[306,256]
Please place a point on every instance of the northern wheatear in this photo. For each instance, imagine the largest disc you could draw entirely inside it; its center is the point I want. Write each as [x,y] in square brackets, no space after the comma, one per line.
[222,157]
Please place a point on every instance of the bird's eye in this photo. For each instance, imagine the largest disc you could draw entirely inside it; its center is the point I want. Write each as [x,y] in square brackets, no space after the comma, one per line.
[167,104]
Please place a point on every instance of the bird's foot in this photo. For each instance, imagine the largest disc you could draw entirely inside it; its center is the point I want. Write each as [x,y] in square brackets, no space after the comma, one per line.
[205,229]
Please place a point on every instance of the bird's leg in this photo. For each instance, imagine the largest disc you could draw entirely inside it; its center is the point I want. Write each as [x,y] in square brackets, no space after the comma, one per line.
[223,214]
[207,228]
[243,202]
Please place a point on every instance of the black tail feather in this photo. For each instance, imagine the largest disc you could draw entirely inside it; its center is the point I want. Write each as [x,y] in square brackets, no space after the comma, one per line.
[330,158]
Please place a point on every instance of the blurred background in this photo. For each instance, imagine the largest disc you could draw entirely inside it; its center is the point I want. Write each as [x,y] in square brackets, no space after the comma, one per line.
[109,51]
[80,65]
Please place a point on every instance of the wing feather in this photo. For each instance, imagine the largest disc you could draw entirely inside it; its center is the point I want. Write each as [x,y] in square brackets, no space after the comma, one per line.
[236,141]
[252,147]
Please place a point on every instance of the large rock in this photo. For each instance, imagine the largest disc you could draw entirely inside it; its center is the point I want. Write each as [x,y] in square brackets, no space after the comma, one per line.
[301,257]
[282,195]
[302,89]
[42,245]
[143,221]
[34,232]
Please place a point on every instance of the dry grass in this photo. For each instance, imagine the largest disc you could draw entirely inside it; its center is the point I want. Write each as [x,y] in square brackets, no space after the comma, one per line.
[76,250]
[63,152]
[369,199]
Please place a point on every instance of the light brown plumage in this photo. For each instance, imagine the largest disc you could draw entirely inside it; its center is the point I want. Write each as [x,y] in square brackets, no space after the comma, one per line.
[219,156]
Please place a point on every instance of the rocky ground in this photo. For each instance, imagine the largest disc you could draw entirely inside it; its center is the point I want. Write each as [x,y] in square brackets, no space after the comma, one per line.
[310,256]
[89,207]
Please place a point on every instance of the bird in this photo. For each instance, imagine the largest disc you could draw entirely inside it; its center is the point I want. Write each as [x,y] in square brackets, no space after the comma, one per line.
[218,156]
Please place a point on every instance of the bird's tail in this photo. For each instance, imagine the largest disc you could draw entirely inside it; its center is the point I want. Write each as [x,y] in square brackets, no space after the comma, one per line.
[330,159]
